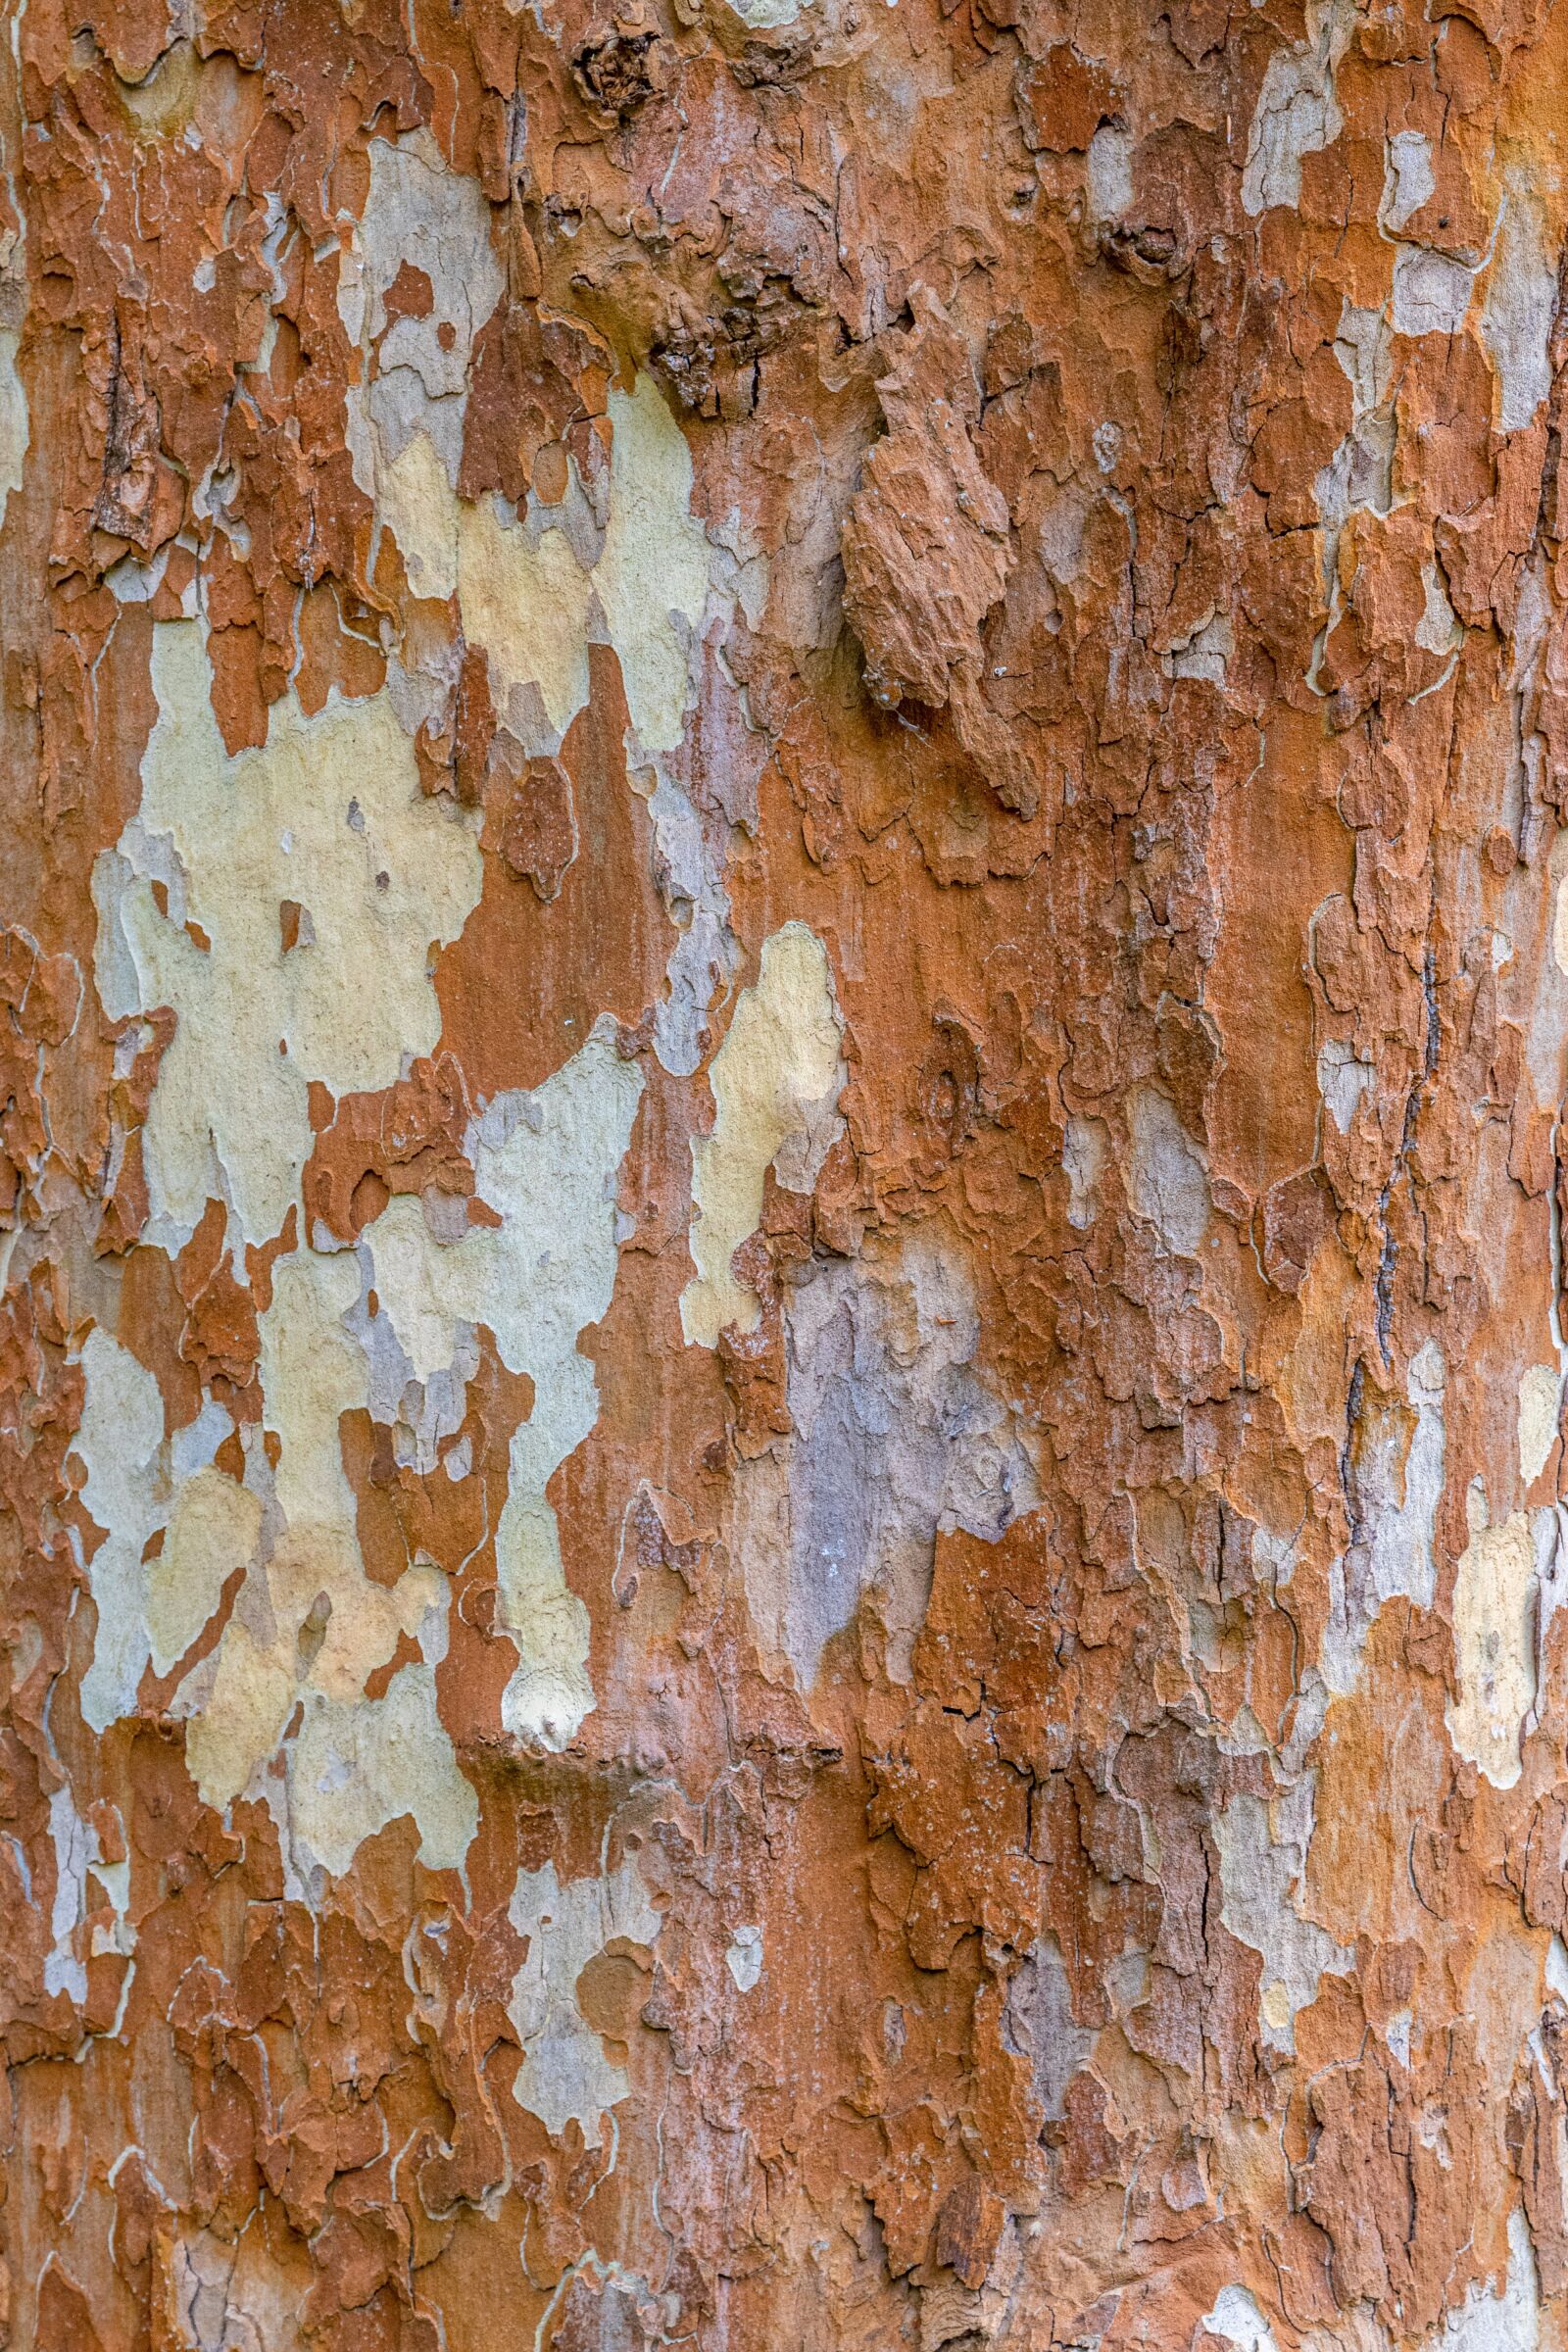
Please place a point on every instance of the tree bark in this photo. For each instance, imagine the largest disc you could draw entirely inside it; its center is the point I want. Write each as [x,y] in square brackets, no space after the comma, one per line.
[785,992]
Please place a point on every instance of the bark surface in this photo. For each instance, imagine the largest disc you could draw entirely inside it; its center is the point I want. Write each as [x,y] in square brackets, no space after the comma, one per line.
[783,1011]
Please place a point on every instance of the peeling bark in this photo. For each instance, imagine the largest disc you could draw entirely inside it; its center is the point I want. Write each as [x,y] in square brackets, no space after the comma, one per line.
[785,1012]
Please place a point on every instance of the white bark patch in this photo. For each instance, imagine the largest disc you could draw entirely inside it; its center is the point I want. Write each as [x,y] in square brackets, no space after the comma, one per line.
[1167,1183]
[1297,112]
[329,815]
[652,579]
[1494,1641]
[357,1764]
[536,588]
[1343,1080]
[1438,629]
[566,2073]
[1516,318]
[766,16]
[1110,172]
[133,1476]
[688,869]
[74,1847]
[1539,1392]
[14,422]
[15,425]
[1262,1862]
[1237,2320]
[547,1162]
[776,1081]
[308,1627]
[120,1442]
[652,583]
[79,1860]
[1431,291]
[1505,2319]
[1407,176]
[744,1958]
[1204,653]
[438,221]
[1360,476]
[1396,1484]
[895,1438]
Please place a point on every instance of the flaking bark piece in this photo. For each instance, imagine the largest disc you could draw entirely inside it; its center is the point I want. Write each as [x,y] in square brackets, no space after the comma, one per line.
[927,552]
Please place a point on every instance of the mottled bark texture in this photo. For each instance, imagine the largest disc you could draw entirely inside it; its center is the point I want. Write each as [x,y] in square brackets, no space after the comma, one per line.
[785,1004]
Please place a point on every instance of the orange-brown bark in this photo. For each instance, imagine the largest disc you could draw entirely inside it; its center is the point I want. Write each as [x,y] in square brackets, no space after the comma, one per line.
[784,990]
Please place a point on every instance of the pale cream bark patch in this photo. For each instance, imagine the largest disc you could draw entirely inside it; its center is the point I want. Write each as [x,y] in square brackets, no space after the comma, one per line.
[419,213]
[1085,1149]
[1298,109]
[526,601]
[308,1627]
[1492,1641]
[547,1162]
[1344,1081]
[776,1081]
[328,815]
[537,587]
[652,580]
[534,605]
[133,1474]
[1168,1182]
[15,427]
[416,504]
[356,1765]
[1399,1471]
[566,2073]
[213,1530]
[231,2294]
[1263,1858]
[1520,305]
[1539,1392]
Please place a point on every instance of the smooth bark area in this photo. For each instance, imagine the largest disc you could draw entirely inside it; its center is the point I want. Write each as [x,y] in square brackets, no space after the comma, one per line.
[785,985]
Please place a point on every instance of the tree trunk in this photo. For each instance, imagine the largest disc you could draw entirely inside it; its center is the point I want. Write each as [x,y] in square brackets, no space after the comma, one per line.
[785,1005]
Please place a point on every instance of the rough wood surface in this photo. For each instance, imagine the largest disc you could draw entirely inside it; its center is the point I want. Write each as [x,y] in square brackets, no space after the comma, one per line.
[785,988]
